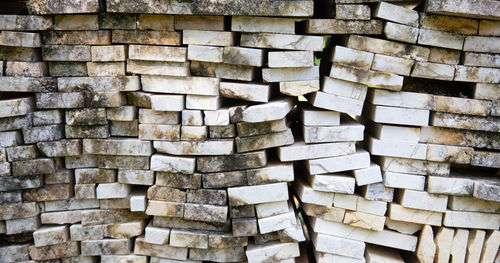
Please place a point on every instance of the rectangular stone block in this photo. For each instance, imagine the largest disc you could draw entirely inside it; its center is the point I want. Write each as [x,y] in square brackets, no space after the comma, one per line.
[241,195]
[66,53]
[336,103]
[482,44]
[341,163]
[352,12]
[461,219]
[441,39]
[67,249]
[404,181]
[157,53]
[191,85]
[396,149]
[207,38]
[395,115]
[403,33]
[397,14]
[281,41]
[166,163]
[117,147]
[146,37]
[339,26]
[164,251]
[262,24]
[302,151]
[290,74]
[367,77]
[233,162]
[386,47]
[392,64]
[190,22]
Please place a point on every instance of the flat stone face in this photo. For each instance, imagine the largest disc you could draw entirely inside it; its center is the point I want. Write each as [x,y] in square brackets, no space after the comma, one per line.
[219,147]
[146,37]
[43,7]
[202,7]
[188,22]
[191,85]
[338,26]
[166,163]
[232,162]
[464,8]
[281,41]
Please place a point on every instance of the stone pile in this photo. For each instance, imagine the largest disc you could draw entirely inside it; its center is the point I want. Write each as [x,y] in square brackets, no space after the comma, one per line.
[431,127]
[235,130]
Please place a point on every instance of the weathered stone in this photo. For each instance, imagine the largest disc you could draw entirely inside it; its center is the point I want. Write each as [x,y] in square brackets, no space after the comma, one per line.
[282,41]
[467,138]
[232,162]
[98,84]
[106,247]
[49,193]
[240,196]
[155,250]
[117,21]
[337,164]
[117,147]
[167,209]
[224,71]
[301,151]
[364,220]
[68,69]
[166,163]
[206,213]
[367,77]
[390,48]
[66,53]
[397,14]
[32,167]
[339,26]
[250,8]
[290,74]
[146,37]
[159,132]
[90,37]
[352,12]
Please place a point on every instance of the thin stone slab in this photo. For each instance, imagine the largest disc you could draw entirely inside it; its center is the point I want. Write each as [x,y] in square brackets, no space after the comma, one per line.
[282,41]
[483,9]
[43,7]
[339,26]
[216,147]
[227,8]
[341,163]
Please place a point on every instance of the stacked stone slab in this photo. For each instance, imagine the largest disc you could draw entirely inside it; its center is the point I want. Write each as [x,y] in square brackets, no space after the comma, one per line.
[233,130]
[142,137]
[436,147]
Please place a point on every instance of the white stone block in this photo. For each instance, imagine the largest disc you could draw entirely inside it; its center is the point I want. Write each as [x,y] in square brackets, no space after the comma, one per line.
[317,117]
[310,196]
[262,24]
[404,181]
[156,235]
[273,110]
[166,163]
[201,102]
[248,195]
[302,151]
[397,14]
[290,74]
[423,200]
[205,53]
[338,245]
[207,38]
[272,251]
[396,149]
[336,103]
[335,183]
[113,190]
[440,39]
[287,59]
[461,219]
[245,91]
[50,235]
[401,66]
[449,185]
[361,159]
[167,102]
[216,117]
[399,32]
[368,175]
[352,57]
[385,238]
[395,115]
[271,209]
[138,202]
[344,88]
